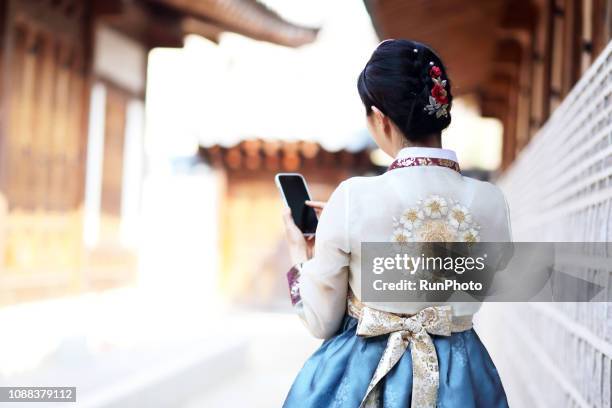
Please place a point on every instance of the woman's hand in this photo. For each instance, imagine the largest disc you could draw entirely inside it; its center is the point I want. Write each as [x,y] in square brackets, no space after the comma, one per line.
[301,248]
[298,245]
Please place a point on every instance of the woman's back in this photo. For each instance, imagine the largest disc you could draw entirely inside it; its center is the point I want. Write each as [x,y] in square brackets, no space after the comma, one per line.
[421,203]
[417,203]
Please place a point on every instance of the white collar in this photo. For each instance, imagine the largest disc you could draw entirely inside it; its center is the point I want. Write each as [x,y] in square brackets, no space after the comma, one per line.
[431,152]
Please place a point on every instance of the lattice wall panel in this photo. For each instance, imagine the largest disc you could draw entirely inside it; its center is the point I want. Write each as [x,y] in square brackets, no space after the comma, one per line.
[560,189]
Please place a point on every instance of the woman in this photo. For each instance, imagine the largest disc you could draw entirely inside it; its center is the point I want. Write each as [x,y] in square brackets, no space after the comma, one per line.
[396,354]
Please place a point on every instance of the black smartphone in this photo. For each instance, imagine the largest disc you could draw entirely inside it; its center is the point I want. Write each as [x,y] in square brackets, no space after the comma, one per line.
[294,191]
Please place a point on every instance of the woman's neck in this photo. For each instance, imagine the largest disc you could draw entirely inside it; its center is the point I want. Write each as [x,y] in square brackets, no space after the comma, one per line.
[429,141]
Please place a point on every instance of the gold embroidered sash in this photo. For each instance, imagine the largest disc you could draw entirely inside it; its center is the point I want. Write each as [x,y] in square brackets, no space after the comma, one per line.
[403,330]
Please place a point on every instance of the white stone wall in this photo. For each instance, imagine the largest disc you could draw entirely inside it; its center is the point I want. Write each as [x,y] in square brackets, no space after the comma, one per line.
[560,189]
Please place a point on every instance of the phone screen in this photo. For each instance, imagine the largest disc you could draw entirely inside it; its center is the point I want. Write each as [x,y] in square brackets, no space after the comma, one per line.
[295,192]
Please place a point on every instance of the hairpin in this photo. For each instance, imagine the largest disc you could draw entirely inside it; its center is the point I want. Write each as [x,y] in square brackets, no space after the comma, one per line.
[438,99]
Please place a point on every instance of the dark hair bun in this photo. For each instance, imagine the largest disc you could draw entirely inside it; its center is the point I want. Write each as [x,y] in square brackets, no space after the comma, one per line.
[398,80]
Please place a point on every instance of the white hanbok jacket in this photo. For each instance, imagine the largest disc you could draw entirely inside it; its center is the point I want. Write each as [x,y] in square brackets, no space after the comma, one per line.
[418,202]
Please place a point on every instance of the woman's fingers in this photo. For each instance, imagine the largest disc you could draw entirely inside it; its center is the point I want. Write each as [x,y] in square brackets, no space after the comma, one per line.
[298,247]
[292,230]
[316,204]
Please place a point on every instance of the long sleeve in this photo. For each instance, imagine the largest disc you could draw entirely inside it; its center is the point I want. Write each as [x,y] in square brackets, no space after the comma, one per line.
[319,286]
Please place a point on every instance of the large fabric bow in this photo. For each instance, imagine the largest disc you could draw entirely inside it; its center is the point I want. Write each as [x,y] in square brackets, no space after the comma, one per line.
[435,320]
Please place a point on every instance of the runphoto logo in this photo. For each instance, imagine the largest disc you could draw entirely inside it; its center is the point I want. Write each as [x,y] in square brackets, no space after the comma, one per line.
[425,285]
[413,264]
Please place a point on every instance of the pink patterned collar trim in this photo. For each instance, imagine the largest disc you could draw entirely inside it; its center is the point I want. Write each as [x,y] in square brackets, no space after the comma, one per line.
[424,161]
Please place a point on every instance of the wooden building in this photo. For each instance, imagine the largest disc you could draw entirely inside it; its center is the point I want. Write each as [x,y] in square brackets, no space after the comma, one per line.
[253,249]
[520,58]
[543,67]
[72,88]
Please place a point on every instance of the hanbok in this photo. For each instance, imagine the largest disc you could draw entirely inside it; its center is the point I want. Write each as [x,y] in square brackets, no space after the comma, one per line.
[396,354]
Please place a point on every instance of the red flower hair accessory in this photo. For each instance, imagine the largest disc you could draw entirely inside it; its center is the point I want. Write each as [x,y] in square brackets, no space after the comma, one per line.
[438,99]
[435,72]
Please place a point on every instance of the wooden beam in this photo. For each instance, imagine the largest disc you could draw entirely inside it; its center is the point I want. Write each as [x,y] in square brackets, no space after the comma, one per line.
[471,25]
[206,29]
[152,25]
[247,17]
[101,8]
[519,15]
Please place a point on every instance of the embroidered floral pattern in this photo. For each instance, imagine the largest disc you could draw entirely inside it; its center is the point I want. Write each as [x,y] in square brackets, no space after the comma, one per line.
[424,161]
[401,235]
[458,350]
[435,207]
[293,279]
[460,217]
[471,235]
[412,218]
[436,219]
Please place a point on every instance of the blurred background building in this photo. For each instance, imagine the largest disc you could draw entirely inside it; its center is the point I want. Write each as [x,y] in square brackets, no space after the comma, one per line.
[140,230]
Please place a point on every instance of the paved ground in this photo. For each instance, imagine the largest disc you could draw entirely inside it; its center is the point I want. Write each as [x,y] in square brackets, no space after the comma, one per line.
[277,350]
[125,348]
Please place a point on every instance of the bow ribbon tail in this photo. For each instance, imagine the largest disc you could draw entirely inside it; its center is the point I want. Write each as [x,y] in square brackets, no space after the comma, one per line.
[425,371]
[425,374]
[396,346]
[402,332]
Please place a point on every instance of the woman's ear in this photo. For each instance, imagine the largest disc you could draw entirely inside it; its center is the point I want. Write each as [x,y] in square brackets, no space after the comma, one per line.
[379,115]
[382,120]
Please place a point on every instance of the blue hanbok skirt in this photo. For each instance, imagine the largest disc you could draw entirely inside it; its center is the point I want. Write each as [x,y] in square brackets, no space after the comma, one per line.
[338,373]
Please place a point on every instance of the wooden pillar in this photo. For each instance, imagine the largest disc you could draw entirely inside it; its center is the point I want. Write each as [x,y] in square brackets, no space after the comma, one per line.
[112,168]
[43,96]
[601,25]
[540,93]
[572,44]
[587,35]
[518,34]
[62,134]
[41,194]
[510,127]
[558,52]
[524,103]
